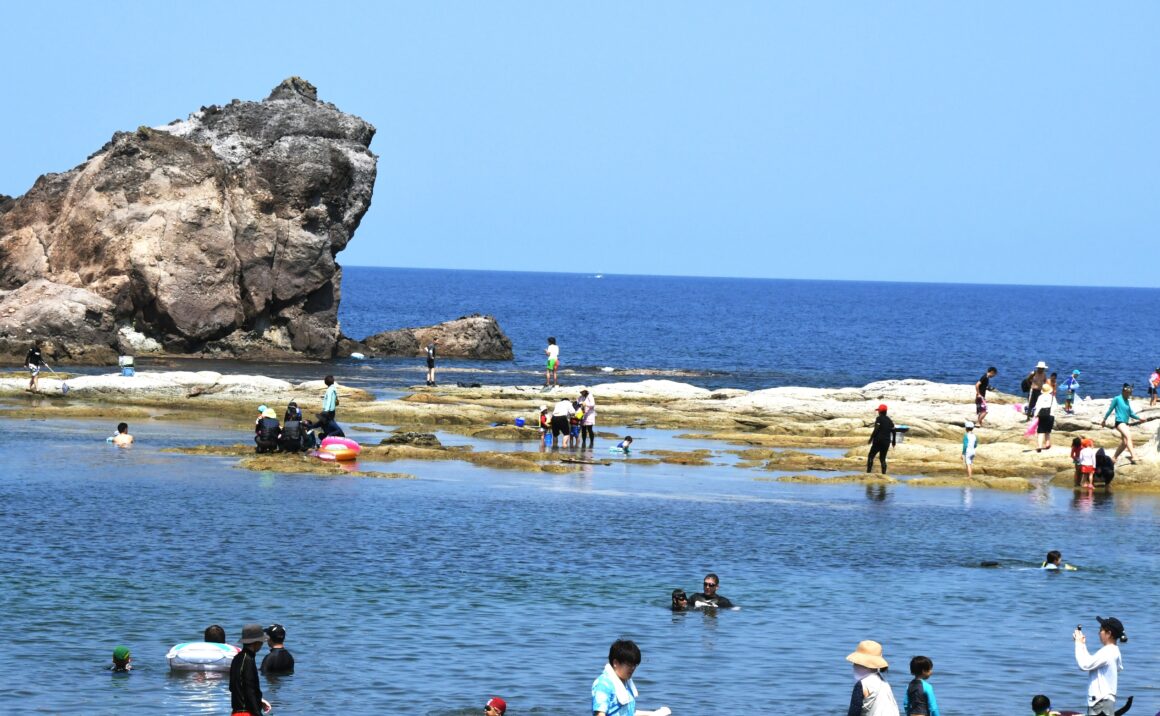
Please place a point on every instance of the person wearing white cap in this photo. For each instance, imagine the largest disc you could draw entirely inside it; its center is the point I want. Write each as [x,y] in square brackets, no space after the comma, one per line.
[872,696]
[1035,382]
[970,444]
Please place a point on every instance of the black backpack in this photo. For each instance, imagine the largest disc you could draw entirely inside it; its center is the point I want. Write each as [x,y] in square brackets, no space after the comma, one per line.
[1025,386]
[291,436]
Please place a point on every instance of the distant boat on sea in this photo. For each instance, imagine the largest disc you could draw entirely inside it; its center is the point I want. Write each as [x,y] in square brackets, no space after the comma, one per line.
[599,275]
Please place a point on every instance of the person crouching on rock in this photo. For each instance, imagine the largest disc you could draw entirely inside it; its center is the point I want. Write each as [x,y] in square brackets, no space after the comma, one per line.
[267,431]
[881,439]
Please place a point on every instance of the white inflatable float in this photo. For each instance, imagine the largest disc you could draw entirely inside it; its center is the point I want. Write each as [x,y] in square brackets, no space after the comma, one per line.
[201,656]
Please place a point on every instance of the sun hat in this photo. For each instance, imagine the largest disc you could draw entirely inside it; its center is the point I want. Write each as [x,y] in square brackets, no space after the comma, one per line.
[882,408]
[543,408]
[121,653]
[969,425]
[1087,442]
[868,654]
[277,632]
[267,413]
[1075,372]
[496,702]
[1113,625]
[262,408]
[1041,364]
[252,633]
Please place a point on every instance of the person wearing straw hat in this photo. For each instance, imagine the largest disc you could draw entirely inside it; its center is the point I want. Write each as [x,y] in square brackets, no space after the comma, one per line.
[872,696]
[245,691]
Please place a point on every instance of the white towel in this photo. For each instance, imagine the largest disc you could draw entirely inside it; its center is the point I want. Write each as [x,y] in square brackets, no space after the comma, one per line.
[622,695]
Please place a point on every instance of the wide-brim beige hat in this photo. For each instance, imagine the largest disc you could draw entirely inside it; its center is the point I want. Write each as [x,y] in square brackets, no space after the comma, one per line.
[868,654]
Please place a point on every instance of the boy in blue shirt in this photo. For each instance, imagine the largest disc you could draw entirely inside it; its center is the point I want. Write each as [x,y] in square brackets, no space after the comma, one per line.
[613,693]
[920,699]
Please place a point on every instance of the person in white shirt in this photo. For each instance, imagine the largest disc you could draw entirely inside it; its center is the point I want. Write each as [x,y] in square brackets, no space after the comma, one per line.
[1103,667]
[553,353]
[561,427]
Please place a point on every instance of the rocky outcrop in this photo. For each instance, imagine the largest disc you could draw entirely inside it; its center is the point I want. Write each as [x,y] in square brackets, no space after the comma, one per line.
[473,336]
[81,321]
[214,235]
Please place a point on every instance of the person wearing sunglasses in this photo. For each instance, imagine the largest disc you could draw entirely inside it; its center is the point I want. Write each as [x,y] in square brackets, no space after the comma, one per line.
[680,601]
[710,597]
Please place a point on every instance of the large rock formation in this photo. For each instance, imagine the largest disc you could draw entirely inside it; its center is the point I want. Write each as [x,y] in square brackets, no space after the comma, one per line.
[473,336]
[212,235]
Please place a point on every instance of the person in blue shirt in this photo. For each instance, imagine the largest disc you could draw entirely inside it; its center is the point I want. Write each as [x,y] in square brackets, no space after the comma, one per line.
[1071,385]
[1124,414]
[920,700]
[613,693]
[326,419]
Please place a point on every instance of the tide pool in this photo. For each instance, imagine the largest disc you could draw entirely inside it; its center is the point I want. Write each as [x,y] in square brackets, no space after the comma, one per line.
[466,582]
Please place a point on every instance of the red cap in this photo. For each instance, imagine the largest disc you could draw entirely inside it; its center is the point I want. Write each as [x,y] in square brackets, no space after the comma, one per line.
[498,703]
[882,408]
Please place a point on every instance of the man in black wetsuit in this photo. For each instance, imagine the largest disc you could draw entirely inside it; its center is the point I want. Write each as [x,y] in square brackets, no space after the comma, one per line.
[278,660]
[881,439]
[245,691]
[710,597]
[680,601]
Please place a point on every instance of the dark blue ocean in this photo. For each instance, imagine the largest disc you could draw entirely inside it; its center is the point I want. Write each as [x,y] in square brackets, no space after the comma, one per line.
[762,333]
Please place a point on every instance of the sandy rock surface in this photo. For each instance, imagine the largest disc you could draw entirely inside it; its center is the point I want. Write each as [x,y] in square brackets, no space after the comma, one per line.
[769,429]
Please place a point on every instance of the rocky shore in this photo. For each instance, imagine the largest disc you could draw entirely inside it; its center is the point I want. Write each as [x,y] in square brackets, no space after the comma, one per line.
[767,430]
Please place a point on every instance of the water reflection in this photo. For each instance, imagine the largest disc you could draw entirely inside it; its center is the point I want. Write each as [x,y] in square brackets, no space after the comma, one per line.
[877,493]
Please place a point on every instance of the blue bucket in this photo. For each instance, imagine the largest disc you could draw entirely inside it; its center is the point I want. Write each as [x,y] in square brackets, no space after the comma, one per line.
[127,371]
[519,422]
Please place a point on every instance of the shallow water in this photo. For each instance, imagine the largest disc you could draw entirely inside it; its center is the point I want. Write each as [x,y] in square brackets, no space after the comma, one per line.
[468,581]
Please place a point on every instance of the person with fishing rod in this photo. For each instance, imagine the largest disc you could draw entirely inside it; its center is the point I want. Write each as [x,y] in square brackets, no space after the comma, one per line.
[34,362]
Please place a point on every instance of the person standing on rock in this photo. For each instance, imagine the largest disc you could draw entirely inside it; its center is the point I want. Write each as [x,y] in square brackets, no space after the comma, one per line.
[553,353]
[881,439]
[1046,421]
[1035,383]
[588,422]
[431,361]
[970,445]
[1124,414]
[34,362]
[329,408]
[981,387]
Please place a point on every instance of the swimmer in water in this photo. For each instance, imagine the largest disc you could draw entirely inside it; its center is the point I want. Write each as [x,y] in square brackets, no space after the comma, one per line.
[122,438]
[1054,561]
[121,659]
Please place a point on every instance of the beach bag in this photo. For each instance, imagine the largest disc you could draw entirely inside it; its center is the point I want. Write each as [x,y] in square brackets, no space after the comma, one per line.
[1031,428]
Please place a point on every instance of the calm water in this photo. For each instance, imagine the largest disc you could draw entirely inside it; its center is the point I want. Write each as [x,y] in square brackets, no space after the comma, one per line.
[757,333]
[439,591]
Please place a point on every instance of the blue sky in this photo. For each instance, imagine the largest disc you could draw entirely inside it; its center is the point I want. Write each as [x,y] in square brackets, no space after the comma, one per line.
[924,141]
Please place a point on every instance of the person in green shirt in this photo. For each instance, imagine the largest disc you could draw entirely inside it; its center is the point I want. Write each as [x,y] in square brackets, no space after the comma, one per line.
[1124,414]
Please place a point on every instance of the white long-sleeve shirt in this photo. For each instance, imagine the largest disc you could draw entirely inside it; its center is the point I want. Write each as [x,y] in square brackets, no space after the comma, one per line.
[1103,669]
